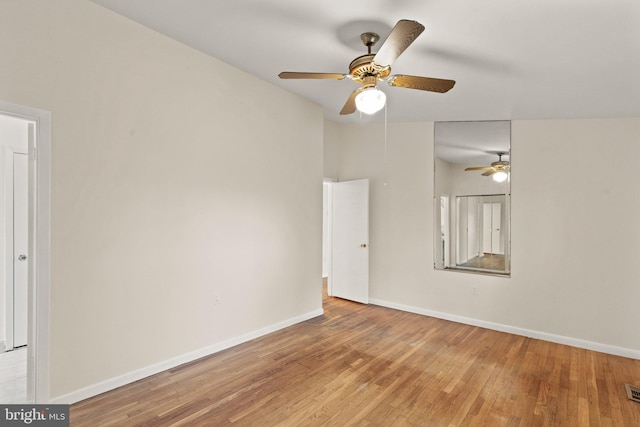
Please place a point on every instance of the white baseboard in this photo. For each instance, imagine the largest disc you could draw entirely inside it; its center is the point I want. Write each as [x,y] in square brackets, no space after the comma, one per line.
[138,374]
[559,339]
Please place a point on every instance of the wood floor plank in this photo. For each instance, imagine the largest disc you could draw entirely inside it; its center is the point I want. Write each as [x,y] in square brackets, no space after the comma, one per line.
[364,365]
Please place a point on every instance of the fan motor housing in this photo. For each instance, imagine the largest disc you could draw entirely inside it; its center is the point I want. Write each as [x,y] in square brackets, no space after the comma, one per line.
[363,67]
[501,163]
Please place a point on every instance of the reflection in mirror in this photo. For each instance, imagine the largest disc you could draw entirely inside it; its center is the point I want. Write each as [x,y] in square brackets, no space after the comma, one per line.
[480,242]
[472,197]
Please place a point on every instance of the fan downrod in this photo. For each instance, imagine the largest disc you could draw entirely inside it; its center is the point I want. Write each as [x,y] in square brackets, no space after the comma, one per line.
[369,39]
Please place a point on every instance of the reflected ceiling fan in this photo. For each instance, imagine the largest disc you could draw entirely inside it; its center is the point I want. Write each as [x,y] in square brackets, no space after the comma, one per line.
[372,68]
[498,170]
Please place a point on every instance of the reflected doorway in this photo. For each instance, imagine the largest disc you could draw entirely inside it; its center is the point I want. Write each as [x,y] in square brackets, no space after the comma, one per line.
[482,233]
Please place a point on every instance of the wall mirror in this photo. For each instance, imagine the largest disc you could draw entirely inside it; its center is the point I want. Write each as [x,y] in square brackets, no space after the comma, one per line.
[472,197]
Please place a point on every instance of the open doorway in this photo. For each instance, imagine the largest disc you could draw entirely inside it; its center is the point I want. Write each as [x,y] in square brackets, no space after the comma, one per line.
[326,235]
[14,217]
[25,147]
[480,240]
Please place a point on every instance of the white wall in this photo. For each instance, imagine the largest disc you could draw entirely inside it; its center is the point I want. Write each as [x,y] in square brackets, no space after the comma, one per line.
[13,137]
[467,183]
[331,150]
[579,256]
[575,233]
[185,216]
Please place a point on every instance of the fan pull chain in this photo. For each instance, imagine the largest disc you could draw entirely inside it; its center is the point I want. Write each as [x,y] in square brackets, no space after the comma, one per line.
[386,137]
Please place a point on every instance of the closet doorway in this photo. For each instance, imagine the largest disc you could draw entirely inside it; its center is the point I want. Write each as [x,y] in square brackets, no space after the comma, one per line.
[25,251]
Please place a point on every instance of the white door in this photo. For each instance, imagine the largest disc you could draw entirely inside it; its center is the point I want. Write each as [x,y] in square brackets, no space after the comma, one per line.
[461,232]
[444,230]
[491,230]
[473,238]
[20,248]
[349,276]
[486,228]
[496,234]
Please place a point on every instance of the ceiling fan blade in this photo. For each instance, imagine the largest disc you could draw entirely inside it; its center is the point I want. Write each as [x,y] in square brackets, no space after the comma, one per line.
[421,83]
[479,168]
[296,75]
[489,172]
[402,35]
[350,105]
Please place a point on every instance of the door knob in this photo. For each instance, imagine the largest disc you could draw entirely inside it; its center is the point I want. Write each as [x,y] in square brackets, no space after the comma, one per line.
[22,258]
[364,245]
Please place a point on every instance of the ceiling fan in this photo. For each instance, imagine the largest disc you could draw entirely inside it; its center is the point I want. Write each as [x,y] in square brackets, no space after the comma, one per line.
[372,68]
[498,170]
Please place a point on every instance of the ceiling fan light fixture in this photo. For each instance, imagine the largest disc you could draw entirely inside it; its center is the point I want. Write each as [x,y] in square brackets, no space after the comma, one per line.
[499,176]
[370,100]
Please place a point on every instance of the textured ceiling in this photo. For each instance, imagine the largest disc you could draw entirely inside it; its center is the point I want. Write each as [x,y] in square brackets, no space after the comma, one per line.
[511,59]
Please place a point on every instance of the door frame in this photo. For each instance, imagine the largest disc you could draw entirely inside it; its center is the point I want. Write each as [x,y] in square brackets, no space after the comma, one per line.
[8,172]
[327,229]
[39,253]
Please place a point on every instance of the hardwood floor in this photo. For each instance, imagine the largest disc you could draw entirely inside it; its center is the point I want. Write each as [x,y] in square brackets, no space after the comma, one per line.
[487,262]
[371,366]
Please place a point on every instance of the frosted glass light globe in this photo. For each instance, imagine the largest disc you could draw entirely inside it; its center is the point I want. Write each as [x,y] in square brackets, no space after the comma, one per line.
[499,176]
[371,100]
